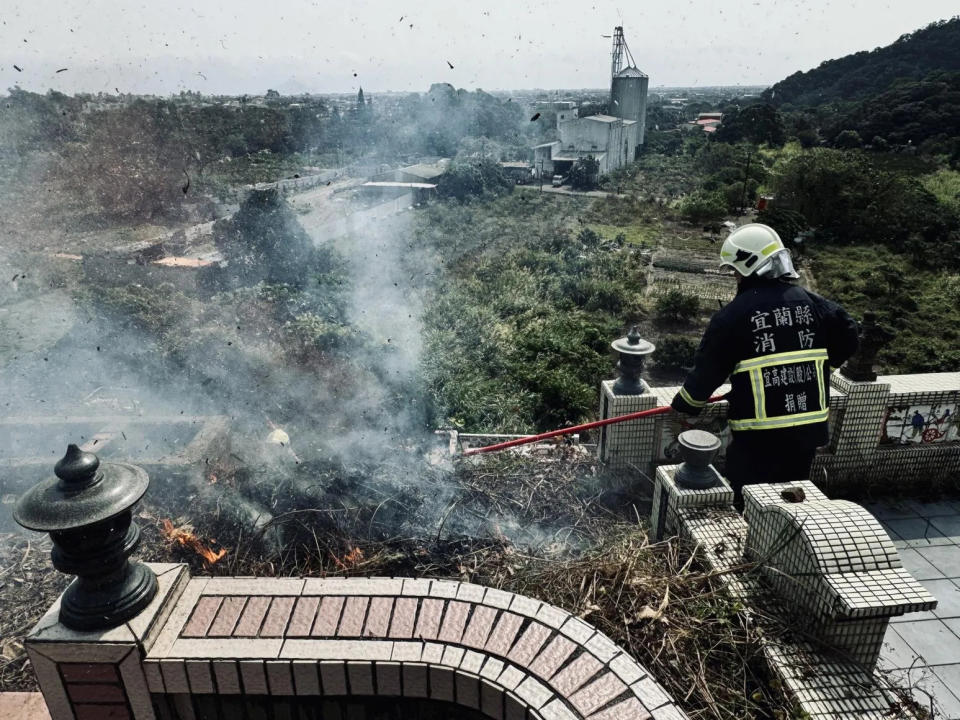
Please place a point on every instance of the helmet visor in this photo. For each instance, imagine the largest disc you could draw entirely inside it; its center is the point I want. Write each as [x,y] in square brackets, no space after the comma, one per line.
[779,265]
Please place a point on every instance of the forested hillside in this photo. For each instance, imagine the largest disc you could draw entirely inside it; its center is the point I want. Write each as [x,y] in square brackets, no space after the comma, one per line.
[868,73]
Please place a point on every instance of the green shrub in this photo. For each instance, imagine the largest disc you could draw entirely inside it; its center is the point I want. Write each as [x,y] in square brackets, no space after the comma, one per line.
[677,306]
[675,352]
[702,206]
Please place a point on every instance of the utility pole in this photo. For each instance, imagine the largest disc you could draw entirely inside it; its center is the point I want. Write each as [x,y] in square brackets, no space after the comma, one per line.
[541,176]
[746,176]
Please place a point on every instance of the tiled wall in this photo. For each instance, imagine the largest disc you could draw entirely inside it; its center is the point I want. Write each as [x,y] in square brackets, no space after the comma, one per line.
[900,431]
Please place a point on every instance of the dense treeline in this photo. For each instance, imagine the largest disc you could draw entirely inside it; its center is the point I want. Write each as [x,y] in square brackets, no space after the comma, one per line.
[868,73]
[117,159]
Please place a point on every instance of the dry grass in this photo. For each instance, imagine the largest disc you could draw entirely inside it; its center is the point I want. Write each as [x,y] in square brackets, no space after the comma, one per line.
[656,600]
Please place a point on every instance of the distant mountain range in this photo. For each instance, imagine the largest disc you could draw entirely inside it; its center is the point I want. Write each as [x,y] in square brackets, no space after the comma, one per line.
[914,56]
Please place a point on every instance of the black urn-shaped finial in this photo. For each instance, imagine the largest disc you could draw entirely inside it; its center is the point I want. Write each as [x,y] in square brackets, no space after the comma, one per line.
[873,337]
[633,351]
[86,509]
[697,448]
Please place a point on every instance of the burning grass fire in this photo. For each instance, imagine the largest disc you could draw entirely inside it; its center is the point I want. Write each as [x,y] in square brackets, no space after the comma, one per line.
[185,537]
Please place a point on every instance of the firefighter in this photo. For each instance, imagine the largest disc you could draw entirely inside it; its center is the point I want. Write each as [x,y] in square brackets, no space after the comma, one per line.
[776,341]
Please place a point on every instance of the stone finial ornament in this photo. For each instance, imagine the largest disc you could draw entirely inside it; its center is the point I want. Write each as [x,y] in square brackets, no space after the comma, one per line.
[633,352]
[872,338]
[86,509]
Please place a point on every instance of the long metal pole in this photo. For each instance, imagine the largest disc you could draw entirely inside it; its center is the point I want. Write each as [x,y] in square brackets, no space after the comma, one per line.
[576,428]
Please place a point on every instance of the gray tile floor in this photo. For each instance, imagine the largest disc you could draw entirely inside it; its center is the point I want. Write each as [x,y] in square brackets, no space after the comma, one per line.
[923,649]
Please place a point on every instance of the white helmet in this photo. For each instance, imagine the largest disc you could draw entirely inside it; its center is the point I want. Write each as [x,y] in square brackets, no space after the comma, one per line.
[756,249]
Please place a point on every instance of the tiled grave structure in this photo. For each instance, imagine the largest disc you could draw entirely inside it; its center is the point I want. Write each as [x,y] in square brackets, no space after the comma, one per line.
[898,430]
[340,648]
[835,562]
[824,568]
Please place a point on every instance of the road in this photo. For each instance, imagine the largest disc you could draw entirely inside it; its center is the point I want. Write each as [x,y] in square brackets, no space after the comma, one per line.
[568,191]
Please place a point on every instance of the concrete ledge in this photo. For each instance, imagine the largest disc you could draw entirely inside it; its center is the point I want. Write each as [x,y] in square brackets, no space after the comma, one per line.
[23,706]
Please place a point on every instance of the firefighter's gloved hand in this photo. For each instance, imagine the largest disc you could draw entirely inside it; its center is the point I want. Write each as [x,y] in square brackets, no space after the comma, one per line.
[684,408]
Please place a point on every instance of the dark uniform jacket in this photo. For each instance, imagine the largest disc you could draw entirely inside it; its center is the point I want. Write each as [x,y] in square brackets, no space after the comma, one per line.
[776,342]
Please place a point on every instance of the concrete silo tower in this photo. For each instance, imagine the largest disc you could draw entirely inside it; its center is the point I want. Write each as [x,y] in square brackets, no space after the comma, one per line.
[628,89]
[628,98]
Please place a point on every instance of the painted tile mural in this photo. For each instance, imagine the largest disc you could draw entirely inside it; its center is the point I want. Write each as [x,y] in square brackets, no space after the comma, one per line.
[915,424]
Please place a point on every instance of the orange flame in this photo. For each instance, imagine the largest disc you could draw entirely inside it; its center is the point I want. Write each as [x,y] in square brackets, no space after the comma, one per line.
[350,560]
[185,538]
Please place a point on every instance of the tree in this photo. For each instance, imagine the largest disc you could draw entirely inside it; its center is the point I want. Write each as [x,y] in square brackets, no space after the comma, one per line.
[865,74]
[129,165]
[584,174]
[848,198]
[703,205]
[788,223]
[463,180]
[848,139]
[757,124]
[264,242]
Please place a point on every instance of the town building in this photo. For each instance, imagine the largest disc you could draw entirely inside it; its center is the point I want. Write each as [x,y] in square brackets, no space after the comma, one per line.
[613,139]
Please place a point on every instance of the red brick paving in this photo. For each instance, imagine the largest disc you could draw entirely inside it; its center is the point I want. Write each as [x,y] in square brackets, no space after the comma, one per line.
[404,617]
[203,614]
[101,712]
[429,620]
[328,617]
[354,613]
[277,616]
[378,617]
[576,674]
[88,672]
[529,644]
[227,617]
[479,628]
[598,693]
[252,617]
[629,709]
[501,639]
[548,669]
[302,619]
[454,620]
[96,693]
[552,657]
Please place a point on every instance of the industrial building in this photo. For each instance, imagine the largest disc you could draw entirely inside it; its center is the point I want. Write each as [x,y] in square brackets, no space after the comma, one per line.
[613,139]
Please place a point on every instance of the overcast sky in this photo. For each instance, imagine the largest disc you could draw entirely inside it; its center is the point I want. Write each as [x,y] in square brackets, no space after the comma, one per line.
[238,46]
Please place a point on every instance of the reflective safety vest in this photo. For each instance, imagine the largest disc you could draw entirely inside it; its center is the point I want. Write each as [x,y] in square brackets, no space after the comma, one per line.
[776,342]
[787,389]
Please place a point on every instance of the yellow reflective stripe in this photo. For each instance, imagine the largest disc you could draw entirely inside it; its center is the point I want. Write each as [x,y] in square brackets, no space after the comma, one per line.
[759,398]
[784,358]
[823,394]
[782,421]
[689,400]
[769,249]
